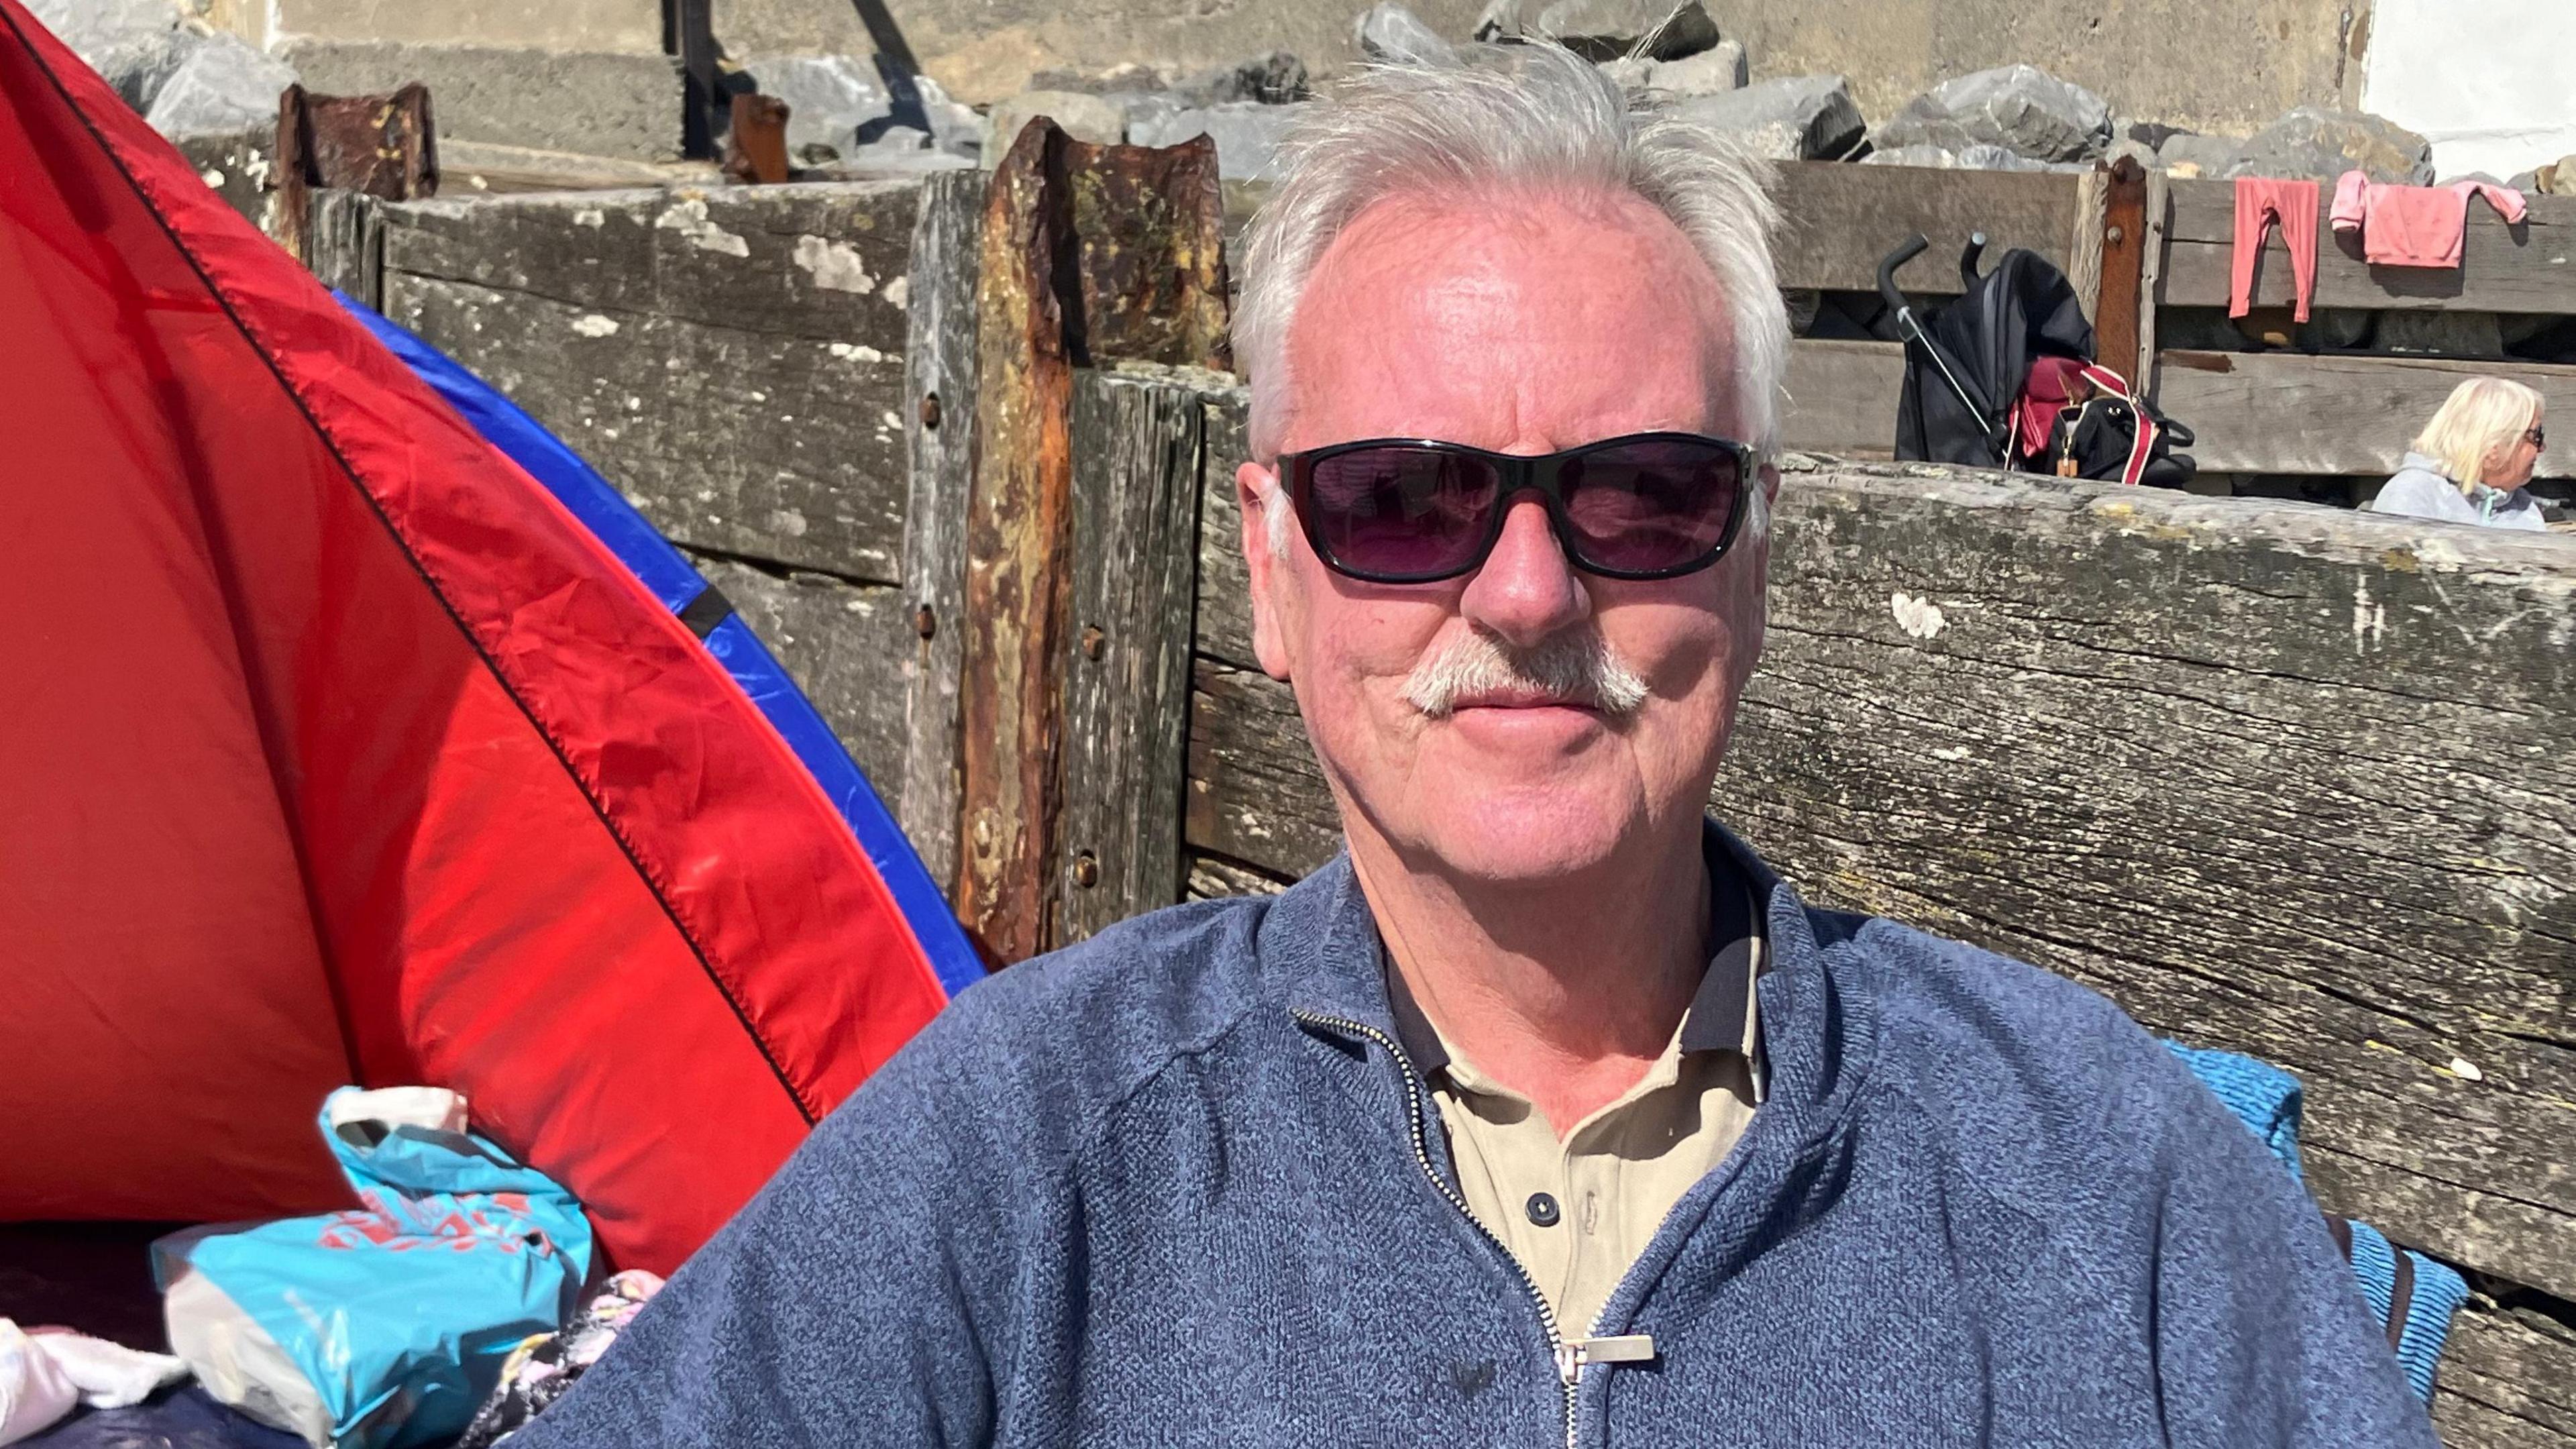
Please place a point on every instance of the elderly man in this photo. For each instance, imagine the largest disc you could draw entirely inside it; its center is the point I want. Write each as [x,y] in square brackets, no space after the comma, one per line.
[1546,1114]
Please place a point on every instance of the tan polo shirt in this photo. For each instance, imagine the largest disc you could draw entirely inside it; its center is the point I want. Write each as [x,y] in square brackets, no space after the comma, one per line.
[1577,1213]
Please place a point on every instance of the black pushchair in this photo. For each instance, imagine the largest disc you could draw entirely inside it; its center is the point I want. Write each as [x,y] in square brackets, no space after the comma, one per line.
[2004,377]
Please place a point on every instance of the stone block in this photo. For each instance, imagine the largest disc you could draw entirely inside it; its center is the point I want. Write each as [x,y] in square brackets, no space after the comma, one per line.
[1084,118]
[2318,144]
[1605,29]
[237,165]
[1714,71]
[222,86]
[1247,135]
[1805,117]
[593,103]
[2202,155]
[829,97]
[1388,32]
[2019,107]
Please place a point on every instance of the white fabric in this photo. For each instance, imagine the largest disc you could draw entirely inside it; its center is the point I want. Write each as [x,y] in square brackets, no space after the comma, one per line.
[34,1394]
[434,1108]
[108,1375]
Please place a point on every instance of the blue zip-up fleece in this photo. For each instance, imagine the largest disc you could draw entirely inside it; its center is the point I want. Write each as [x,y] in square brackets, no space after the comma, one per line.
[1178,1185]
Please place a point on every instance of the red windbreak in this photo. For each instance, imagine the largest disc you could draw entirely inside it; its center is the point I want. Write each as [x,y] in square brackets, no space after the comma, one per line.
[336,750]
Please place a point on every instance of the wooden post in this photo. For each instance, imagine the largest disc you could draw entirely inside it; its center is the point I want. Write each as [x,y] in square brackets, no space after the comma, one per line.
[939,419]
[2151,281]
[1137,455]
[2124,255]
[1088,252]
[344,243]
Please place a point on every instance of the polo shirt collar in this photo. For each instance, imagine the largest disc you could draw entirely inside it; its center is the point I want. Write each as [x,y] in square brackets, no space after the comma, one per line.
[1721,1016]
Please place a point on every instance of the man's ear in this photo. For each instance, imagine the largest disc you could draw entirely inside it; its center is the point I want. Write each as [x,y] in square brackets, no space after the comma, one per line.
[1257,491]
[1770,484]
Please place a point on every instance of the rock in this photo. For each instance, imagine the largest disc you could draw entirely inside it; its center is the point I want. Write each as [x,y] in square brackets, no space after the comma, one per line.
[1247,135]
[1804,117]
[2019,107]
[2558,178]
[225,84]
[2132,149]
[829,97]
[2152,134]
[1985,156]
[901,151]
[1604,29]
[134,45]
[1128,77]
[2317,144]
[1612,29]
[1713,71]
[954,126]
[1393,35]
[2441,334]
[2203,155]
[1084,118]
[1146,110]
[1275,79]
[1939,158]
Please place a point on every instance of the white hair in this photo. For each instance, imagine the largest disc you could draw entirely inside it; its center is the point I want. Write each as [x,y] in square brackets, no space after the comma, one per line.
[1501,115]
[2482,417]
[1508,114]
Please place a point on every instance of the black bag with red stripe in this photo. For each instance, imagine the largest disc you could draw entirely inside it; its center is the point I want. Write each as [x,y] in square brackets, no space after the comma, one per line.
[2113,434]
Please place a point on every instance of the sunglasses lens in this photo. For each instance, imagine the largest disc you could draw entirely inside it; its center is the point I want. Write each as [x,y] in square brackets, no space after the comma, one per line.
[1651,506]
[1401,513]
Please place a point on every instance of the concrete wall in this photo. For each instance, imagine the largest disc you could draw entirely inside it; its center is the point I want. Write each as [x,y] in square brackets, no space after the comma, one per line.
[2486,81]
[2210,64]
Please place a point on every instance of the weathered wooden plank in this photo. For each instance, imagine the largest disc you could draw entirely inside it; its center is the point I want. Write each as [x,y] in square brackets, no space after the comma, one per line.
[844,644]
[2507,1380]
[2286,412]
[2208,755]
[1225,589]
[2525,268]
[817,260]
[1836,221]
[2140,365]
[344,243]
[1842,397]
[1016,516]
[2121,262]
[786,449]
[1127,661]
[1213,878]
[1255,794]
[939,413]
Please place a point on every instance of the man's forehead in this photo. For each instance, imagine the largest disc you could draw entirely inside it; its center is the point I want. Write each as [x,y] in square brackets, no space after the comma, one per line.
[1505,319]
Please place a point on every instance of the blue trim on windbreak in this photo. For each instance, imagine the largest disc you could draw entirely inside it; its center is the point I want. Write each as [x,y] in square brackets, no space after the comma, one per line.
[672,579]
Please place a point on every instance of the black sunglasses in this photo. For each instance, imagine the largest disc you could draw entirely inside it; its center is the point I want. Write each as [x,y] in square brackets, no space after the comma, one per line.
[1415,511]
[2536,435]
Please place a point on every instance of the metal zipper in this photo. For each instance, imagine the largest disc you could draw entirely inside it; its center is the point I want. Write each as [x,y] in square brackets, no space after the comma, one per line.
[1570,1357]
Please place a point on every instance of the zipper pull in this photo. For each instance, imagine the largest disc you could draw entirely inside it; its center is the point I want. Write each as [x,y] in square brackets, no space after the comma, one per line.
[1621,1348]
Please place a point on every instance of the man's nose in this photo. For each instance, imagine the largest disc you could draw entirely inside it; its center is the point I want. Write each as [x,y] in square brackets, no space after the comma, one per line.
[1526,589]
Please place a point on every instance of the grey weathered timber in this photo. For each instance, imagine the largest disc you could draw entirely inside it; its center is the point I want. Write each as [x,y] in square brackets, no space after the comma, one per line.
[2277,778]
[1255,793]
[1214,877]
[2526,268]
[939,418]
[1842,397]
[1126,671]
[730,358]
[1225,590]
[2141,364]
[2507,1380]
[844,645]
[344,243]
[2285,412]
[1836,221]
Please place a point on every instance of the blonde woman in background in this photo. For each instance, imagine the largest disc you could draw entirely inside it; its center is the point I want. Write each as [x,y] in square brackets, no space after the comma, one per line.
[2471,461]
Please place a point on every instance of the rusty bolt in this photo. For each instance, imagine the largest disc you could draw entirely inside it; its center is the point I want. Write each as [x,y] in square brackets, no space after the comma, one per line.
[924,622]
[1086,870]
[2115,236]
[930,411]
[1091,641]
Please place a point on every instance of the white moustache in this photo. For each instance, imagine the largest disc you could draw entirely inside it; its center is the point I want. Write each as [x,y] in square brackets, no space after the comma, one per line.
[1578,668]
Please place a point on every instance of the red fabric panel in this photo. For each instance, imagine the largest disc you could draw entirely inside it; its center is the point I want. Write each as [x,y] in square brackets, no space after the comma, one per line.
[552,856]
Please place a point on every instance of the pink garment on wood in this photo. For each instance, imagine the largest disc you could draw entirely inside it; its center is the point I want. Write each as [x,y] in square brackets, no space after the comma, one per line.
[2414,226]
[2261,201]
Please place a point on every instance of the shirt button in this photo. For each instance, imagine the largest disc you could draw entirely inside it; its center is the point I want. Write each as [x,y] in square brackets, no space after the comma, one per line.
[1542,1209]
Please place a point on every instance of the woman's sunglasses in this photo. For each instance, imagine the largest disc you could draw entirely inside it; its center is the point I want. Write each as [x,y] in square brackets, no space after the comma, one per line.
[1414,511]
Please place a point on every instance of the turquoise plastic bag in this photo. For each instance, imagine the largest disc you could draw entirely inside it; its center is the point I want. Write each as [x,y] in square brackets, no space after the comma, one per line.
[385,1326]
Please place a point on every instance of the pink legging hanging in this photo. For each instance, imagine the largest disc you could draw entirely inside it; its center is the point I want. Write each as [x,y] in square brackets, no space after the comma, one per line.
[2261,200]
